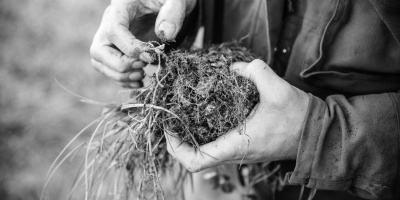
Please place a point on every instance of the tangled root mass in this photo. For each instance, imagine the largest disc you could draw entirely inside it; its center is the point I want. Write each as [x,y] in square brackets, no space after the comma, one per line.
[208,98]
[193,94]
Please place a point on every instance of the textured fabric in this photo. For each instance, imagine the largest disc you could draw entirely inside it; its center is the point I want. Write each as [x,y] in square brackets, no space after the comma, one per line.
[350,141]
[346,49]
[346,54]
[351,144]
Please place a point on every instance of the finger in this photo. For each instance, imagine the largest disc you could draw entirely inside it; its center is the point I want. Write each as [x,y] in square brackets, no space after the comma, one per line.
[132,85]
[208,155]
[184,153]
[174,144]
[170,19]
[138,64]
[136,75]
[102,50]
[146,57]
[272,88]
[119,33]
[256,71]
[121,77]
[113,58]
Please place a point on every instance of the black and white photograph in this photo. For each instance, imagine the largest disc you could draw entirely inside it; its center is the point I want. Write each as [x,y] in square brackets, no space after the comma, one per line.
[200,100]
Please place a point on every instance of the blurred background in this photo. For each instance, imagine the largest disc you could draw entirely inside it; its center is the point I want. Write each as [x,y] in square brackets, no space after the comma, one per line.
[44,40]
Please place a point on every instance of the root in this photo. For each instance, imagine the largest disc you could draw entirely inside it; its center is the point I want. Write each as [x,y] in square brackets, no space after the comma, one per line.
[192,94]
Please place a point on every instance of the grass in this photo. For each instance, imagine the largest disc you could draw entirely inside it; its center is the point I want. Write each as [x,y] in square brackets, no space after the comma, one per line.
[192,94]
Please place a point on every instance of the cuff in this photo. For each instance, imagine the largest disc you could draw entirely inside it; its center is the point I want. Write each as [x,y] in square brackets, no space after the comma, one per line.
[308,142]
[309,155]
[396,104]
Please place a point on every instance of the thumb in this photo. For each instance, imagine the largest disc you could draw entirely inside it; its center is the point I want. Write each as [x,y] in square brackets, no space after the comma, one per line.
[170,19]
[271,87]
[256,71]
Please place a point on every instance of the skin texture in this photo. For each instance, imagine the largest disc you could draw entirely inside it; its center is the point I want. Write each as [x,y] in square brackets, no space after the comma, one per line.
[117,52]
[272,130]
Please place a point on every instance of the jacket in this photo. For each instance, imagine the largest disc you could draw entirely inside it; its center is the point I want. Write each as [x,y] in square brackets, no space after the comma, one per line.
[346,54]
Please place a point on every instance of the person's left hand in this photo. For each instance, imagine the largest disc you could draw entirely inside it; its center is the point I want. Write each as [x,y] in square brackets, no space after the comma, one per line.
[272,130]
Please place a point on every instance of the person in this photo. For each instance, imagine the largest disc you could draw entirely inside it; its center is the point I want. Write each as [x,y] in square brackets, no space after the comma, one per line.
[328,78]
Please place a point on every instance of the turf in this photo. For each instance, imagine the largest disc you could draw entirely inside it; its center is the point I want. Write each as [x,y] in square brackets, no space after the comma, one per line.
[194,95]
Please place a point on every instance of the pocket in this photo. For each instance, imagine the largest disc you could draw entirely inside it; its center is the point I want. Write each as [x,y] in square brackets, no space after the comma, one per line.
[357,52]
[334,18]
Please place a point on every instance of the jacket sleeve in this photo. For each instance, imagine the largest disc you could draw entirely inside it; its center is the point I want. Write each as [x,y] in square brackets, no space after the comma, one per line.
[351,144]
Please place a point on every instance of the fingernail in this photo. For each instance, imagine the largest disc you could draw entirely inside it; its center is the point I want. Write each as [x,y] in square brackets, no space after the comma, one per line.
[145,57]
[133,76]
[137,75]
[137,84]
[166,30]
[138,65]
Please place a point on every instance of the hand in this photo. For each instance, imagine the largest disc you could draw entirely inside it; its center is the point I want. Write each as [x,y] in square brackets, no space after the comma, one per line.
[117,53]
[272,130]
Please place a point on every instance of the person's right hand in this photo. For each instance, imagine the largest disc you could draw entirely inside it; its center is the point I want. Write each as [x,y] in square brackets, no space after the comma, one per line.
[117,52]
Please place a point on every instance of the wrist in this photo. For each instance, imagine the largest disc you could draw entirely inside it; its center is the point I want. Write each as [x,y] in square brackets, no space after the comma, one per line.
[292,126]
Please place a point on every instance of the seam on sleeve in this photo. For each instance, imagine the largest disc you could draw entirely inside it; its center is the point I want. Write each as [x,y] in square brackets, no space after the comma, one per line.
[315,149]
[302,130]
[370,187]
[310,135]
[369,180]
[316,143]
[395,103]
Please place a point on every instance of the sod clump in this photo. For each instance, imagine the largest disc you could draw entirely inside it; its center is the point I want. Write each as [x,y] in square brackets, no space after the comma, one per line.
[194,95]
[205,96]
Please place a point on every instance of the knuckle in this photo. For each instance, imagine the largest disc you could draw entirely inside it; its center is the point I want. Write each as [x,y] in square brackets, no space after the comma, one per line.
[258,63]
[134,51]
[94,64]
[120,68]
[193,168]
[98,68]
[259,68]
[93,50]
[121,65]
[110,33]
[125,61]
[193,165]
[119,77]
[190,169]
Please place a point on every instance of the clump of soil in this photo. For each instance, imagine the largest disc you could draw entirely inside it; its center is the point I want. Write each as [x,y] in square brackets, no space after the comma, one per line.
[205,98]
[193,94]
